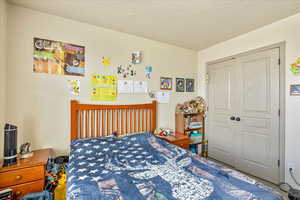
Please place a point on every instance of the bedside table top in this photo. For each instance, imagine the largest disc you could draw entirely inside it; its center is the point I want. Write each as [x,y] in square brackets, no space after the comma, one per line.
[40,157]
[176,137]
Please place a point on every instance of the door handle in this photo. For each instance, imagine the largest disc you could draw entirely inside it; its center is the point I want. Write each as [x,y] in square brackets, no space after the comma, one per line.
[232,118]
[238,119]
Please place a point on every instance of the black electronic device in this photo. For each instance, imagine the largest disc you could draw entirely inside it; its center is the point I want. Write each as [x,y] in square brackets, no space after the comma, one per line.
[10,145]
[293,193]
[61,159]
[6,194]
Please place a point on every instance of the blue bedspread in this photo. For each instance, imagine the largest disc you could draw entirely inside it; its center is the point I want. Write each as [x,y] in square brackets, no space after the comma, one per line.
[141,167]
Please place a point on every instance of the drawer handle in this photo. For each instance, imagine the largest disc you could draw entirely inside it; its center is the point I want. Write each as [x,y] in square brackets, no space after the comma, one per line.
[18,193]
[18,177]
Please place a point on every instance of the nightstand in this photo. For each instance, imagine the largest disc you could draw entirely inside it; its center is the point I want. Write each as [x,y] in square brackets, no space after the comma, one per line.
[27,176]
[178,139]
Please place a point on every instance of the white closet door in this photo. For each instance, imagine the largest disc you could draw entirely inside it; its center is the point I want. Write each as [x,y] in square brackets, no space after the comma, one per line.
[243,120]
[258,128]
[221,109]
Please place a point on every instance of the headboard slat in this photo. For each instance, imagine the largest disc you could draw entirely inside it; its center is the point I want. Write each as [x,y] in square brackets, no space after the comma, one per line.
[126,121]
[130,123]
[97,123]
[112,121]
[134,121]
[139,121]
[109,124]
[80,124]
[121,121]
[86,123]
[102,120]
[89,120]
[143,120]
[147,120]
[92,134]
[117,120]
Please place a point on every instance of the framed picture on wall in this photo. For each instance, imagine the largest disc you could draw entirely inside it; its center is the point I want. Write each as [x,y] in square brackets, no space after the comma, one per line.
[190,85]
[165,83]
[136,57]
[56,57]
[180,84]
[295,90]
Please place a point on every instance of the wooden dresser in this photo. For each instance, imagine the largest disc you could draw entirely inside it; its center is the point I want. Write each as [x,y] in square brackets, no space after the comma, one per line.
[179,140]
[27,176]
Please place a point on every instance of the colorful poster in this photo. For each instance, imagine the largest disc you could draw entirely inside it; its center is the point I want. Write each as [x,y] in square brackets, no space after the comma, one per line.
[103,88]
[54,57]
[74,87]
[165,83]
[295,67]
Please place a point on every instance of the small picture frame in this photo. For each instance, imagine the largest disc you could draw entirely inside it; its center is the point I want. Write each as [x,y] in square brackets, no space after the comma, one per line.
[180,84]
[136,57]
[165,83]
[190,85]
[295,90]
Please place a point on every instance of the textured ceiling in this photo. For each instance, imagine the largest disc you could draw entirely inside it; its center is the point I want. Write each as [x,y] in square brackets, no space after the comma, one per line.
[193,24]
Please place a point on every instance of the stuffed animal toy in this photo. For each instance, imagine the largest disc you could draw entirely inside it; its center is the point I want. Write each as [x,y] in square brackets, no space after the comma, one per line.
[161,132]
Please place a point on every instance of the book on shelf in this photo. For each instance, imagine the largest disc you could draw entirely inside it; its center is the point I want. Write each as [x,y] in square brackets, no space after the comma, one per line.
[191,122]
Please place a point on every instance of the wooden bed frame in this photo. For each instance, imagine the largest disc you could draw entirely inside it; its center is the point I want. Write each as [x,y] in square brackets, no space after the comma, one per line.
[89,120]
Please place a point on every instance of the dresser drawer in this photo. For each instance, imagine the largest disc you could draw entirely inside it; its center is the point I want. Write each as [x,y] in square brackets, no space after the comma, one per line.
[21,176]
[26,188]
[182,143]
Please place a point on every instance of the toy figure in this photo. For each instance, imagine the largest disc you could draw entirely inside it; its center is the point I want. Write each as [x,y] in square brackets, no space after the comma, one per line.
[25,150]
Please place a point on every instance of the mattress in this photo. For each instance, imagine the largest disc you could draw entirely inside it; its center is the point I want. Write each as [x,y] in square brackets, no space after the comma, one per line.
[141,166]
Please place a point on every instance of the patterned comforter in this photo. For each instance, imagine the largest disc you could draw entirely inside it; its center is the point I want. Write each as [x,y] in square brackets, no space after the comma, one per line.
[142,166]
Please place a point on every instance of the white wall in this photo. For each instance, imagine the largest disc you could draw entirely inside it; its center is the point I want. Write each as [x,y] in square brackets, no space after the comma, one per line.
[39,103]
[2,70]
[287,30]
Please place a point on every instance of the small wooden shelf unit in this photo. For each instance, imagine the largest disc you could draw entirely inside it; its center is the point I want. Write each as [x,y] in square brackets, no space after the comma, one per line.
[182,127]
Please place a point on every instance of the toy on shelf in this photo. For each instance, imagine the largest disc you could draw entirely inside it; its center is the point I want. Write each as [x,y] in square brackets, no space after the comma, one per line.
[197,105]
[194,125]
[192,121]
[195,137]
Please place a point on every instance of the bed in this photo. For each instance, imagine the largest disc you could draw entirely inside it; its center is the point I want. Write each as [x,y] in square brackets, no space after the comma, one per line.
[114,156]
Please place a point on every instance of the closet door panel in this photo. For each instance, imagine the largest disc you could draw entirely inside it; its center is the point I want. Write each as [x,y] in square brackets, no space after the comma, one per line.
[256,86]
[258,128]
[221,109]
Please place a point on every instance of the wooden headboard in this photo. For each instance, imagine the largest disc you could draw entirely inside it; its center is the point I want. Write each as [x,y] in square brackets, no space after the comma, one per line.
[89,120]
